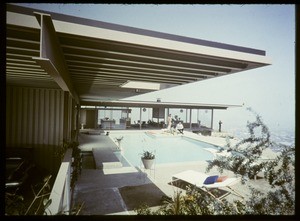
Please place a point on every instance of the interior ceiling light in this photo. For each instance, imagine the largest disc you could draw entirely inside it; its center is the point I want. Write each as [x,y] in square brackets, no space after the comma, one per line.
[141,85]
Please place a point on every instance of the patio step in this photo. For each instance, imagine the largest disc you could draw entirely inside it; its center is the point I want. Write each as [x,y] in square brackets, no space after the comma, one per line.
[105,158]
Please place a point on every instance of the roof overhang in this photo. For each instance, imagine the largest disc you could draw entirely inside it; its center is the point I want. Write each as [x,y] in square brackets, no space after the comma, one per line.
[93,59]
[151,104]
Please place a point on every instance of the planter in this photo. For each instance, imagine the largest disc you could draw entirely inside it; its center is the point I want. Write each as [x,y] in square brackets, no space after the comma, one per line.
[148,163]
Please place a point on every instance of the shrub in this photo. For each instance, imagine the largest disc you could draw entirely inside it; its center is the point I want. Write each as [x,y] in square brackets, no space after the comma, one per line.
[280,174]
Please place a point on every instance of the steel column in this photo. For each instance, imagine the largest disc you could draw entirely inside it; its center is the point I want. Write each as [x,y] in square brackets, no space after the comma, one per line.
[140,118]
[212,118]
[191,118]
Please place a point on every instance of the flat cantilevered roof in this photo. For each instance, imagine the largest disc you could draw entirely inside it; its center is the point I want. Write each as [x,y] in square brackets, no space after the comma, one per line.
[152,104]
[97,61]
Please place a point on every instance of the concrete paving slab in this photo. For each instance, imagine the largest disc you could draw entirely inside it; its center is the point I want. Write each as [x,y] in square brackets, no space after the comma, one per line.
[105,158]
[101,201]
[88,142]
[97,185]
[148,194]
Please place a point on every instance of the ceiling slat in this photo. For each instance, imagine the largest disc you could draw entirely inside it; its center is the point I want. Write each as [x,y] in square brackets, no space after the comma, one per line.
[98,66]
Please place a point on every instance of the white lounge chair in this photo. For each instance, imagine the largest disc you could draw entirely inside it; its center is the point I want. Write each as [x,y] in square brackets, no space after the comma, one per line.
[197,178]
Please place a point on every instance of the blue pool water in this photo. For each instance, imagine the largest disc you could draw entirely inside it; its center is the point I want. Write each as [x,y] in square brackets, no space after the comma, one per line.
[167,149]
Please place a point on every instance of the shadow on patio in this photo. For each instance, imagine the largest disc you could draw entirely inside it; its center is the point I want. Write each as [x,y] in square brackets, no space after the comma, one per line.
[112,190]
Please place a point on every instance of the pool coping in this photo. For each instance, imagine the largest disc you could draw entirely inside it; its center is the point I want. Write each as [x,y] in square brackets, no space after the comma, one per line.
[216,141]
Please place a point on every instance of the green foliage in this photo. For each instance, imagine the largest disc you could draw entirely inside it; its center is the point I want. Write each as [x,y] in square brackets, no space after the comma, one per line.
[40,202]
[77,162]
[148,155]
[76,155]
[61,150]
[280,174]
[144,209]
[194,202]
[176,207]
[119,139]
[278,202]
[278,199]
[244,159]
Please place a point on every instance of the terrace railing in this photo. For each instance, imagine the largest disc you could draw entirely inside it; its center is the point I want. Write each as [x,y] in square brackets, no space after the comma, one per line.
[61,192]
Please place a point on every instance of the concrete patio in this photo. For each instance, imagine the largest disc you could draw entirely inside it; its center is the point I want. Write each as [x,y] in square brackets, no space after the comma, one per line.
[119,190]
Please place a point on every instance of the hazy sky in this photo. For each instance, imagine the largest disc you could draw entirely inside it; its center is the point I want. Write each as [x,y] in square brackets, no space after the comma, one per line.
[269,90]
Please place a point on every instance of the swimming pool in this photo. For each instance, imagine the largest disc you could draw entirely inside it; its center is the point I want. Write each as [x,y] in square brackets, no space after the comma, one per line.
[173,149]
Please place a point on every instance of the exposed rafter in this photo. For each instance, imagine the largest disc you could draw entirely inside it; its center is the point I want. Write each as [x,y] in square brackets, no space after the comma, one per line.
[93,59]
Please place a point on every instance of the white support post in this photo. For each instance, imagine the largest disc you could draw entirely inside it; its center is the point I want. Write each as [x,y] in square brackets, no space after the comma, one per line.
[212,119]
[191,118]
[140,118]
[186,115]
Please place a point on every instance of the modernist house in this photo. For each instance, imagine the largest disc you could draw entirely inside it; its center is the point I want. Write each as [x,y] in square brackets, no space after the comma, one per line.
[57,63]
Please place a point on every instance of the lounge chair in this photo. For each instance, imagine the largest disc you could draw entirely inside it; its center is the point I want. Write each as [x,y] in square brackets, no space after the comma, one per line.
[199,179]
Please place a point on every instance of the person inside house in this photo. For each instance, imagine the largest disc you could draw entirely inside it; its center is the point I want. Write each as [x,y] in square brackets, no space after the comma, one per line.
[180,127]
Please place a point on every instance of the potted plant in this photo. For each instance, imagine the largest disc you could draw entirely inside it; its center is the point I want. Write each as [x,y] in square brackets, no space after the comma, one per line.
[119,139]
[148,159]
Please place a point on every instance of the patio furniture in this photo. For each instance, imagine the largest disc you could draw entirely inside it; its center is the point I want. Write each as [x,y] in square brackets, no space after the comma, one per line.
[207,183]
[16,172]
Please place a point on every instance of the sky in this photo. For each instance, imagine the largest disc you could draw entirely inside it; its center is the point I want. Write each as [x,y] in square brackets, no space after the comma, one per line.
[269,91]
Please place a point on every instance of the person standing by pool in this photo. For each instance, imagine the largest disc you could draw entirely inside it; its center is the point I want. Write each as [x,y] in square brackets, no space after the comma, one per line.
[179,127]
[169,122]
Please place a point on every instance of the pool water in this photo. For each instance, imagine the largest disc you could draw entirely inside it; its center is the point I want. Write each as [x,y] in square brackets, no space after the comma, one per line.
[167,150]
